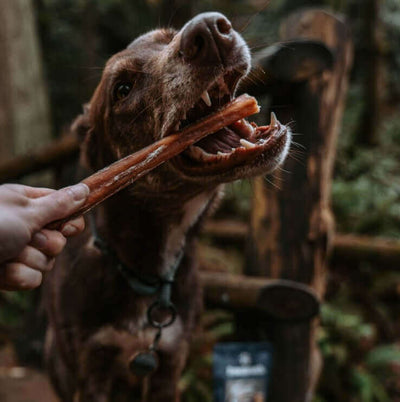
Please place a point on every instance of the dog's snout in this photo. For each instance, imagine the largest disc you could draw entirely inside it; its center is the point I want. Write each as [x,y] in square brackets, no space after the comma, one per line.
[207,39]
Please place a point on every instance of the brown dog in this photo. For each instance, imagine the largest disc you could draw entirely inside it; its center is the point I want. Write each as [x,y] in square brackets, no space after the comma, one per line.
[98,319]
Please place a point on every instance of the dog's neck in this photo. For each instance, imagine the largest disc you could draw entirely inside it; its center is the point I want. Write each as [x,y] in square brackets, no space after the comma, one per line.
[149,235]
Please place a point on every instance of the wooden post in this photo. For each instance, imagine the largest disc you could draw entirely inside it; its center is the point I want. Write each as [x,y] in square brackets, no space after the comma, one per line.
[292,226]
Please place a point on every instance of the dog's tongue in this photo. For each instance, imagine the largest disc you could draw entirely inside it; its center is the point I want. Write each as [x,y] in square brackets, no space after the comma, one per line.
[222,141]
[228,137]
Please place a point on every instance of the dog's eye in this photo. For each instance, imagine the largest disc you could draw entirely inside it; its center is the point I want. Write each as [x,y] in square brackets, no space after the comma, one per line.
[122,90]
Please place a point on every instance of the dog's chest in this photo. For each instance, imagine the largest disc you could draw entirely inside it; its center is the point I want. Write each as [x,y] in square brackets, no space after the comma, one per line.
[177,231]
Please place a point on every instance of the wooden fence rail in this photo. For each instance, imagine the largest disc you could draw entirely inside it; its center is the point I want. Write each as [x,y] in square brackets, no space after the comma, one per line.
[278,299]
[348,250]
[55,154]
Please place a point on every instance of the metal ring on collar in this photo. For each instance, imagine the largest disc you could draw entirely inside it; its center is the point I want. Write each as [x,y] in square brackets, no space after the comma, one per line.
[158,306]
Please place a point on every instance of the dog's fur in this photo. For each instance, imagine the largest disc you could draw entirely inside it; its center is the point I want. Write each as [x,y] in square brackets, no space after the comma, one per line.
[96,321]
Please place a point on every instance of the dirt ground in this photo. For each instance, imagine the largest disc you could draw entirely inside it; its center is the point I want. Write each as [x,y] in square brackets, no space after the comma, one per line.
[22,384]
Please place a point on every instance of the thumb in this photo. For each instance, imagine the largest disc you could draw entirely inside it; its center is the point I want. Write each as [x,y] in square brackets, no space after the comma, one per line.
[59,204]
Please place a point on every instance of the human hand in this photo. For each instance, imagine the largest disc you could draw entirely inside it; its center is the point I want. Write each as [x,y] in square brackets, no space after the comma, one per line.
[27,249]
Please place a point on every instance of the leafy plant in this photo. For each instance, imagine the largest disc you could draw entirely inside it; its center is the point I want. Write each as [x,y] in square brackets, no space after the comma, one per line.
[358,364]
[196,382]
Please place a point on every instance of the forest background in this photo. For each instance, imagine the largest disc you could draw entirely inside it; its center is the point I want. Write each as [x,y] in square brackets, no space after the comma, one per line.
[72,39]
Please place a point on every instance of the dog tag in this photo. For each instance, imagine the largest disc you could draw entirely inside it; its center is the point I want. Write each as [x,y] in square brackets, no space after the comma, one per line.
[143,363]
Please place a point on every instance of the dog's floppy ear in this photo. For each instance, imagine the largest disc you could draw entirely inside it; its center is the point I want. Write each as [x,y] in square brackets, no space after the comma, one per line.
[92,129]
[83,129]
[80,126]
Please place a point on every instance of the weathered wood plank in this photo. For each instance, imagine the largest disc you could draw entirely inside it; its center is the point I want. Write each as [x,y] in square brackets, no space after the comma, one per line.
[55,154]
[280,299]
[348,250]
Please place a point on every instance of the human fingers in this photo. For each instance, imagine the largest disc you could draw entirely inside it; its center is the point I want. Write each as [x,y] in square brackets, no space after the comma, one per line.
[50,242]
[17,276]
[27,191]
[36,192]
[59,204]
[36,259]
[73,227]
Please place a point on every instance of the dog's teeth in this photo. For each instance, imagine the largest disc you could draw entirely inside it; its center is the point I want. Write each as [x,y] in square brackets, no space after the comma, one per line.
[274,120]
[196,151]
[207,157]
[249,126]
[200,154]
[247,144]
[219,153]
[222,86]
[206,98]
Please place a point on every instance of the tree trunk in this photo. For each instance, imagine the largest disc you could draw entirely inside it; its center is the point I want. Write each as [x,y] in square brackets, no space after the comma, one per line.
[373,80]
[292,227]
[373,87]
[24,109]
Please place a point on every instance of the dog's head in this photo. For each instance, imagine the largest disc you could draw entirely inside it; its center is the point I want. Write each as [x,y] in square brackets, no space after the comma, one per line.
[167,79]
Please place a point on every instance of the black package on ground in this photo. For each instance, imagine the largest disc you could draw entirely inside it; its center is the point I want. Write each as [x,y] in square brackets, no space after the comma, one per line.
[241,371]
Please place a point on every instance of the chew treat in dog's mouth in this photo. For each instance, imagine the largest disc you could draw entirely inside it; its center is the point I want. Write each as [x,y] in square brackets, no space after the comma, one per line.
[111,179]
[235,144]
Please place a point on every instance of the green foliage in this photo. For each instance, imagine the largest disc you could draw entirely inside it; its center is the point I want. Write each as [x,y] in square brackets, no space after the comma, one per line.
[196,382]
[237,200]
[13,306]
[382,357]
[356,339]
[366,189]
[367,387]
[391,20]
[350,372]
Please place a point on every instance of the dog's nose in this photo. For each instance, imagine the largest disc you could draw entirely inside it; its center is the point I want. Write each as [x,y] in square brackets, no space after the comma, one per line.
[207,39]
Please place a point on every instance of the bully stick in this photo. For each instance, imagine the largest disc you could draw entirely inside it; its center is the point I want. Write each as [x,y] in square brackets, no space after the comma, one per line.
[124,172]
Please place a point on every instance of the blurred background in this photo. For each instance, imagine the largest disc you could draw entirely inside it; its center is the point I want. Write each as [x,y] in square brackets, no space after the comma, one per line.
[51,57]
